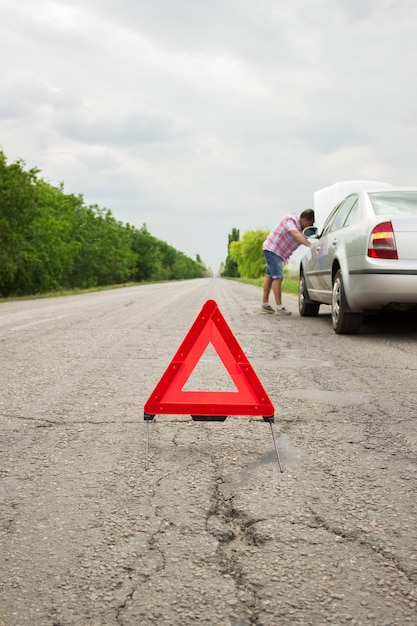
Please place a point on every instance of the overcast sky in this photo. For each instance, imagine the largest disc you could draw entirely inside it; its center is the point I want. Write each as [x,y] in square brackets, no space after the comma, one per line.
[199,116]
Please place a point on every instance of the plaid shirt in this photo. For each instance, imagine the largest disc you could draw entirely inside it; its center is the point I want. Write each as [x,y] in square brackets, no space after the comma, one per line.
[279,240]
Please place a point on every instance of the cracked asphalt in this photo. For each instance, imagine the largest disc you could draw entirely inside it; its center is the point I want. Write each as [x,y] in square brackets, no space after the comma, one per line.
[108,520]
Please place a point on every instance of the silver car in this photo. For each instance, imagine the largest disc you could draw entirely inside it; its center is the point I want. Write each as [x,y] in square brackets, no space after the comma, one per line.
[365,258]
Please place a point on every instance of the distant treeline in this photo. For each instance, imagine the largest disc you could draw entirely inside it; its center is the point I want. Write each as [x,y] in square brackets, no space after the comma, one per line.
[52,240]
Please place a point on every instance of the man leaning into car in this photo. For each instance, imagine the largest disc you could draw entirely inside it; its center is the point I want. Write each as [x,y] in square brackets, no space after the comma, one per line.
[277,248]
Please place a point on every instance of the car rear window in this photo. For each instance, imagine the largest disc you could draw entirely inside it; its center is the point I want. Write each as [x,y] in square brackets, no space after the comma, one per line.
[393,203]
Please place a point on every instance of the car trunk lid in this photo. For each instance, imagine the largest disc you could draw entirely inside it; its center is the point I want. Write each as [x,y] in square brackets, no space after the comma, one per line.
[405,232]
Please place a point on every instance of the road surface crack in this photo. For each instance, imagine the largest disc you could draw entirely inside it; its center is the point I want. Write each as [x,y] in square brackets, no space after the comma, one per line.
[358,537]
[235,533]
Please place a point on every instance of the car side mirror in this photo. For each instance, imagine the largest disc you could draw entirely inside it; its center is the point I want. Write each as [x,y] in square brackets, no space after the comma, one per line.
[311,232]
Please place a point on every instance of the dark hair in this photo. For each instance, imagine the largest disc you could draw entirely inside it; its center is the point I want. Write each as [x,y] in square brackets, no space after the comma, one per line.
[308,214]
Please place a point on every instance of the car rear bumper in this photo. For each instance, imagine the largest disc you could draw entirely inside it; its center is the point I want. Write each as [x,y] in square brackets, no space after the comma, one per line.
[373,289]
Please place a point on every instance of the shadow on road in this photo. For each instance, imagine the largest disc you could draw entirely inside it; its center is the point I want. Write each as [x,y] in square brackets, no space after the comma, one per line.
[387,325]
[399,324]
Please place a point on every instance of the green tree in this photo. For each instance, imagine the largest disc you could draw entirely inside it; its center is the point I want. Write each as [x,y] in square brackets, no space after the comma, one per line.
[247,253]
[105,254]
[19,208]
[230,267]
[147,255]
[54,249]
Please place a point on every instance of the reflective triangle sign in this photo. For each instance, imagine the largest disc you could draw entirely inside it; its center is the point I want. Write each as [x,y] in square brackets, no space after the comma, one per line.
[169,396]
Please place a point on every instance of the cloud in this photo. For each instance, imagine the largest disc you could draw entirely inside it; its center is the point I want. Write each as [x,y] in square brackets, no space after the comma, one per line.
[198,117]
[327,136]
[117,128]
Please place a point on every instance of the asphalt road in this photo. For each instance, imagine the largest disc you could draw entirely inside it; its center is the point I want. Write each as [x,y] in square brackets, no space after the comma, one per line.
[108,520]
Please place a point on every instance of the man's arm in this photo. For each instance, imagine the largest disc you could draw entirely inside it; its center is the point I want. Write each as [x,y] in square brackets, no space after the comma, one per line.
[300,238]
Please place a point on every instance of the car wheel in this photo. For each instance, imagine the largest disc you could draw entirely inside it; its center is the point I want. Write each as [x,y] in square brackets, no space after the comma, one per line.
[344,322]
[306,307]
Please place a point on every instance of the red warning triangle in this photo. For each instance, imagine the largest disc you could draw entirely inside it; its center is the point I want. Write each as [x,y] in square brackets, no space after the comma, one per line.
[169,397]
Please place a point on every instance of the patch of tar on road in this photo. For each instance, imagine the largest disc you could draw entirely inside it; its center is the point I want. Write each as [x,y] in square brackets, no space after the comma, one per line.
[290,455]
[336,398]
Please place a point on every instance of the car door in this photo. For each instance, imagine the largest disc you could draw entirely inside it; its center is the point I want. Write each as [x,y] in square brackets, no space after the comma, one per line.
[328,245]
[314,267]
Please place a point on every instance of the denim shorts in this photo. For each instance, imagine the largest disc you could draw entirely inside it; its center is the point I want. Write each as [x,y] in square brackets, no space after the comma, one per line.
[274,265]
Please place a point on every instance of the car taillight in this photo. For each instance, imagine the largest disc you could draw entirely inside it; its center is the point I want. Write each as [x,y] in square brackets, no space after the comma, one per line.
[382,242]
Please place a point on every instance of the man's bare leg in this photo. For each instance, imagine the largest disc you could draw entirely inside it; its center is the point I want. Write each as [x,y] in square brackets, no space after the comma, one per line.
[275,285]
[266,289]
[276,289]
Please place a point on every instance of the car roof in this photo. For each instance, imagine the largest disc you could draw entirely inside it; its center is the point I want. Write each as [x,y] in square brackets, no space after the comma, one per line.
[391,189]
[327,198]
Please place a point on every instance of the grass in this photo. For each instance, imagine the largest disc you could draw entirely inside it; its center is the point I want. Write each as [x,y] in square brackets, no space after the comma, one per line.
[289,284]
[66,292]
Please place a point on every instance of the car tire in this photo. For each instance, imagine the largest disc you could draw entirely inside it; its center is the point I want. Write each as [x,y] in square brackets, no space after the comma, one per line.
[344,322]
[306,307]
